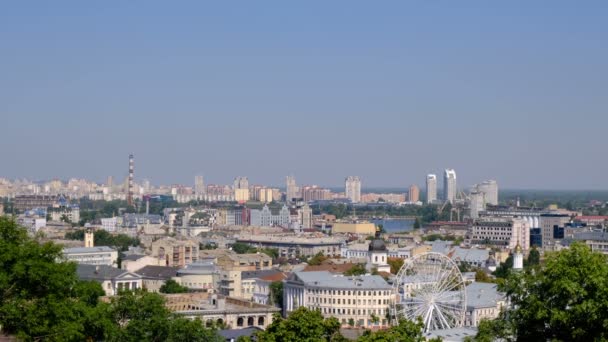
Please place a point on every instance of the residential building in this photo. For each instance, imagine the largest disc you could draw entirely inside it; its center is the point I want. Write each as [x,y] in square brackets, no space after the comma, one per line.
[347,298]
[173,252]
[134,262]
[199,185]
[449,185]
[112,280]
[484,301]
[295,246]
[431,188]
[549,223]
[71,213]
[100,255]
[358,227]
[25,202]
[313,193]
[292,189]
[597,241]
[353,188]
[154,277]
[202,275]
[305,216]
[505,232]
[476,204]
[489,189]
[413,195]
[265,217]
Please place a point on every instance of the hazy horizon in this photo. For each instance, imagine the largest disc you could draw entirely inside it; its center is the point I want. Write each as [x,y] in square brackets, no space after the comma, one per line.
[514,92]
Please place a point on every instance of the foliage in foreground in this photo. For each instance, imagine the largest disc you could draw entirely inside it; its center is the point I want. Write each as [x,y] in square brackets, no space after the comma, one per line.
[309,325]
[42,299]
[566,300]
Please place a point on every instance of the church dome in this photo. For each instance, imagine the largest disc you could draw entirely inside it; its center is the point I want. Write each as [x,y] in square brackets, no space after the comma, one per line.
[377,245]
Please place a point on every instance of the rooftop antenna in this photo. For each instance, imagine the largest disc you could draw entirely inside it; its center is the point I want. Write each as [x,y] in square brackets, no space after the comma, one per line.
[130,182]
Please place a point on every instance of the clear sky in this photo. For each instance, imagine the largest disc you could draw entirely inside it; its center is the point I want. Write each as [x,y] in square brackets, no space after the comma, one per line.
[515,91]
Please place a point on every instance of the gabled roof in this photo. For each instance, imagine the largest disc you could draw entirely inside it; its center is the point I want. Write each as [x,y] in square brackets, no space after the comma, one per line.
[157,272]
[102,272]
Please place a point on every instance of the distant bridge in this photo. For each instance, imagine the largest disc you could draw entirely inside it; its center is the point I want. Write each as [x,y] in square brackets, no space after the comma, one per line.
[372,217]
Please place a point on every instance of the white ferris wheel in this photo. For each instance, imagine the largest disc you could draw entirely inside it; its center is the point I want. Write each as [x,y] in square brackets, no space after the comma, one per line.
[431,287]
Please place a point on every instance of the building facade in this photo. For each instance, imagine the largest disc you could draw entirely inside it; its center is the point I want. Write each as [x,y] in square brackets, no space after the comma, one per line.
[504,232]
[431,188]
[413,194]
[352,186]
[352,300]
[449,185]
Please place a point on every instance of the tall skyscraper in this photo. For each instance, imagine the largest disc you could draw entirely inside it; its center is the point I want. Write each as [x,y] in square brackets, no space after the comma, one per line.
[199,185]
[489,189]
[130,181]
[431,188]
[449,185]
[413,194]
[291,188]
[476,204]
[352,189]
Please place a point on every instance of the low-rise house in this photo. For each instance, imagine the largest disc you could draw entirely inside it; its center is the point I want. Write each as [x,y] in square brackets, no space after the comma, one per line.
[99,255]
[484,301]
[112,279]
[154,277]
[202,275]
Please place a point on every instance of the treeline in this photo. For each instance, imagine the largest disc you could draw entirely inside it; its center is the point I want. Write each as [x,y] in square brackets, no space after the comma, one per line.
[426,212]
[121,242]
[43,300]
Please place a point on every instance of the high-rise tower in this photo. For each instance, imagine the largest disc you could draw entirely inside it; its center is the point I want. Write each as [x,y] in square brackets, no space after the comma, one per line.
[449,185]
[431,188]
[130,182]
[352,188]
[291,188]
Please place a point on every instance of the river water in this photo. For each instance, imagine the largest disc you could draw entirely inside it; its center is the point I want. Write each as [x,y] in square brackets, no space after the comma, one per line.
[396,225]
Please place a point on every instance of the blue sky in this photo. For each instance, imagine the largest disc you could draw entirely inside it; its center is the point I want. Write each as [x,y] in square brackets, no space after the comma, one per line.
[515,91]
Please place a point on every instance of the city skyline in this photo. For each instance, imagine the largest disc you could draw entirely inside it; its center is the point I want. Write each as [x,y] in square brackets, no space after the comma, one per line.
[389,93]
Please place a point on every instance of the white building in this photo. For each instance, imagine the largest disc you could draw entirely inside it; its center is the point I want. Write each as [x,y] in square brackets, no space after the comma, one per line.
[483,302]
[100,255]
[292,188]
[431,188]
[111,224]
[112,280]
[449,185]
[489,189]
[476,204]
[353,188]
[505,232]
[349,299]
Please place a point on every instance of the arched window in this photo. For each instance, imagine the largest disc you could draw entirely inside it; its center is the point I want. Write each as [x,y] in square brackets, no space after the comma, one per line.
[250,321]
[261,321]
[239,322]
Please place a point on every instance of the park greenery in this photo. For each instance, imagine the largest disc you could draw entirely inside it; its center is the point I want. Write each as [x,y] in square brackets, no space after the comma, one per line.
[171,286]
[42,299]
[565,299]
[355,270]
[309,326]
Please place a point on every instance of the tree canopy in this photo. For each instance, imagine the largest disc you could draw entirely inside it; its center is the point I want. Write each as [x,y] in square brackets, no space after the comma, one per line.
[358,269]
[565,300]
[42,299]
[171,286]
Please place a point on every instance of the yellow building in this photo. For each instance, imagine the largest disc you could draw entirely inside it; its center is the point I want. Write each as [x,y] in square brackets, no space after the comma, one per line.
[363,227]
[241,195]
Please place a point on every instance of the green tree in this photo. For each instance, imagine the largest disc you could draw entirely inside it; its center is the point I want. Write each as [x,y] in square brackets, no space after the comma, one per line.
[271,252]
[276,293]
[302,325]
[482,277]
[533,257]
[355,270]
[405,331]
[417,224]
[243,248]
[317,259]
[566,300]
[395,263]
[504,269]
[171,286]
